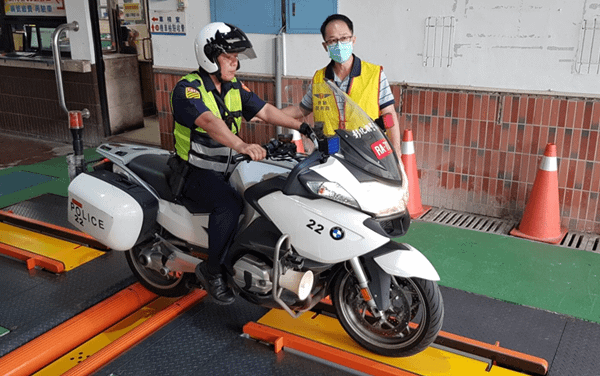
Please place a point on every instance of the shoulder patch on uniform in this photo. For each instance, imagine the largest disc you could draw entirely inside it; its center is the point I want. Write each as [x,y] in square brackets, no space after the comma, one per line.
[244,87]
[190,93]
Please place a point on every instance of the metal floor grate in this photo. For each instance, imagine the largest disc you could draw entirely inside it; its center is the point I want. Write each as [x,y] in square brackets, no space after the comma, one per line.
[573,240]
[468,221]
[583,241]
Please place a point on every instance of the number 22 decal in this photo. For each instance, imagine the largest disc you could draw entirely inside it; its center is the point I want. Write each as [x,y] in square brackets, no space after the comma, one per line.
[312,224]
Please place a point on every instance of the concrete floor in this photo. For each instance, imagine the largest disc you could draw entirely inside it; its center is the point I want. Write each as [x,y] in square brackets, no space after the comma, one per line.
[19,150]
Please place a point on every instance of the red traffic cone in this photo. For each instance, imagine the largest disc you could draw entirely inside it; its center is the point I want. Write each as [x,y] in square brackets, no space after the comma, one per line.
[297,139]
[415,208]
[541,219]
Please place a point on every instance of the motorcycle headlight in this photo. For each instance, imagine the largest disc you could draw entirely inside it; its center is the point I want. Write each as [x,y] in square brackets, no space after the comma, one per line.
[333,191]
[382,200]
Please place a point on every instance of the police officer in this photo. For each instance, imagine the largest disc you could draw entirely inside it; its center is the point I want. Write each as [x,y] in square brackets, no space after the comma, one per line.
[364,82]
[208,105]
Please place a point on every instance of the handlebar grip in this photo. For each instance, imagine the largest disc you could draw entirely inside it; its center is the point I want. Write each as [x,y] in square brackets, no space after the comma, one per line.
[240,157]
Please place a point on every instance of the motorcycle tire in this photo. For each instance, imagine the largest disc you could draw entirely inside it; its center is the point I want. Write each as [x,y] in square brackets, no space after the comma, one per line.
[171,286]
[408,327]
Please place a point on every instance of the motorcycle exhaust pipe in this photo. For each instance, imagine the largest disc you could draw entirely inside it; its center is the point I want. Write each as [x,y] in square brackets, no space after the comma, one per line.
[300,283]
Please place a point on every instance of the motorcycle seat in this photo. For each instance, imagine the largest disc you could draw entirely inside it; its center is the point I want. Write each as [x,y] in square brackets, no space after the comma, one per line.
[153,169]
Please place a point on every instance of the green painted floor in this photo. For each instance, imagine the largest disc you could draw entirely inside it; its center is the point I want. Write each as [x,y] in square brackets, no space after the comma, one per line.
[511,269]
[52,177]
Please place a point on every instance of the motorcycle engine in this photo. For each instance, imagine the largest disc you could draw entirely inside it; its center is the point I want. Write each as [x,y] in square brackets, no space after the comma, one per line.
[253,275]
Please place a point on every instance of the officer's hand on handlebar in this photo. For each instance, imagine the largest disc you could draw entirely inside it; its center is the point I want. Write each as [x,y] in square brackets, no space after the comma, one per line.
[254,151]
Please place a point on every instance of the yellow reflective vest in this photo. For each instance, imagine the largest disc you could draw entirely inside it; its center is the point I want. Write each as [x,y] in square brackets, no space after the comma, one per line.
[363,89]
[194,145]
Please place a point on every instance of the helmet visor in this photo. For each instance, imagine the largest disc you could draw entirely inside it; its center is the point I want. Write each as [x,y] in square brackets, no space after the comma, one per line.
[248,53]
[235,41]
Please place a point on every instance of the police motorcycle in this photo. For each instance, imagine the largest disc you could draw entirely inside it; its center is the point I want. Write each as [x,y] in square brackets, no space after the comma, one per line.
[314,225]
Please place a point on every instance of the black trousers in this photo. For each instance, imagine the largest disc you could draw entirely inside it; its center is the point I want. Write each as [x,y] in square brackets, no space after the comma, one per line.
[211,193]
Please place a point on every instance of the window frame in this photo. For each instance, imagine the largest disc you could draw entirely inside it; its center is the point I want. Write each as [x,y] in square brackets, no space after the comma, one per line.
[11,23]
[283,19]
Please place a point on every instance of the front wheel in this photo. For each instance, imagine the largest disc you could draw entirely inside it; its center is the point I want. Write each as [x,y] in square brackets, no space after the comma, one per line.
[171,285]
[408,327]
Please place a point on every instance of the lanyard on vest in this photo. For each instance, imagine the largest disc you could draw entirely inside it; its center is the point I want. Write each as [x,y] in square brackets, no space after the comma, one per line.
[229,119]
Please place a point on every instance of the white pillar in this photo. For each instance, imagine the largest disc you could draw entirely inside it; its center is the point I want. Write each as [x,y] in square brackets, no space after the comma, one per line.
[82,47]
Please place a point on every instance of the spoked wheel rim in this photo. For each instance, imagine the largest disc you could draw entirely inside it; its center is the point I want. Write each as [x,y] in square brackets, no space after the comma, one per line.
[400,325]
[151,276]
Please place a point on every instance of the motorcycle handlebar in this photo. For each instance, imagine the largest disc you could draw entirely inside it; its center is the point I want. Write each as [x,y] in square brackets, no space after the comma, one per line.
[283,146]
[274,148]
[240,157]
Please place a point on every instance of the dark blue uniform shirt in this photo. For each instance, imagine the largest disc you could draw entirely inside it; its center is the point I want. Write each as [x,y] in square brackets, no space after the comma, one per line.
[186,110]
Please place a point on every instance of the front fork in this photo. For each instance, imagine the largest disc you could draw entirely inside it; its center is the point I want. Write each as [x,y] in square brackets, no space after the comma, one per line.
[363,283]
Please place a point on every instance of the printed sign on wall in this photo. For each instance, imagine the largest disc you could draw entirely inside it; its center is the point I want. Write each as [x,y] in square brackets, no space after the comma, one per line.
[132,11]
[43,8]
[167,22]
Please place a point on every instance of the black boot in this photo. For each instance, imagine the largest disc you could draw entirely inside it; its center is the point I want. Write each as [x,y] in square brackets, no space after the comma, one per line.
[215,285]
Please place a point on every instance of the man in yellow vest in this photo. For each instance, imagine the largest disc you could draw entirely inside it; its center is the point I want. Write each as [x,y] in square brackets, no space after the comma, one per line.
[207,107]
[364,82]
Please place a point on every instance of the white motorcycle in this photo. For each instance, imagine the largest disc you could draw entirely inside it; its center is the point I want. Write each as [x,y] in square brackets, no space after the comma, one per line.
[313,226]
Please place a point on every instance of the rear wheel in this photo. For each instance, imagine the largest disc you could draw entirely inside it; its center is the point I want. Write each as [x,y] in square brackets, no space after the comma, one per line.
[173,284]
[408,327]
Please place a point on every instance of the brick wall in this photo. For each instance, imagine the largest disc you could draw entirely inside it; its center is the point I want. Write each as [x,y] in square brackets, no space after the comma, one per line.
[29,104]
[476,151]
[479,152]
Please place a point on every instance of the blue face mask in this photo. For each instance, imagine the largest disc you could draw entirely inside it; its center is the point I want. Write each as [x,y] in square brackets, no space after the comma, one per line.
[340,52]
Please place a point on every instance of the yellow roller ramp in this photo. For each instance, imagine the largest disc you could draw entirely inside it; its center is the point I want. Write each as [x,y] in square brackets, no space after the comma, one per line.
[45,251]
[323,337]
[91,347]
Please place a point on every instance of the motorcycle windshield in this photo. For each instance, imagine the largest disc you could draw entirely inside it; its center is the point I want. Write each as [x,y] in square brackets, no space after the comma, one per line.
[362,142]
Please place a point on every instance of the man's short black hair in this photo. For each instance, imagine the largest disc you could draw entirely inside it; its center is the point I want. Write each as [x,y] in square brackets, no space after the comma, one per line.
[336,17]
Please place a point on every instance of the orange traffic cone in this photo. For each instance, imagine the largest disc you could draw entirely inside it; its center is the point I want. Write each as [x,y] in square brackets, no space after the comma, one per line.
[415,208]
[541,219]
[297,139]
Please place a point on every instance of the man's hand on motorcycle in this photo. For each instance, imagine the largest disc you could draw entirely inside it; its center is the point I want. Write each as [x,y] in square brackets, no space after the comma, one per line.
[255,151]
[307,131]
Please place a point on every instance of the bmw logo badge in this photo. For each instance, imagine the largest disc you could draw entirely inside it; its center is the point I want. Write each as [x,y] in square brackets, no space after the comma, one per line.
[336,233]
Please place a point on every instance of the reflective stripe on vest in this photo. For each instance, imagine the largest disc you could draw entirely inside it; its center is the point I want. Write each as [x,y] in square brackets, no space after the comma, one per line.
[363,89]
[195,146]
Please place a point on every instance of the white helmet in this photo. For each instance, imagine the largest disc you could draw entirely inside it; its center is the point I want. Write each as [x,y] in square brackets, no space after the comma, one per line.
[217,38]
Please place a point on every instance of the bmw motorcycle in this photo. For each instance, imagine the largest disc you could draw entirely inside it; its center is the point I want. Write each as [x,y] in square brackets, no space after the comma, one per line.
[314,225]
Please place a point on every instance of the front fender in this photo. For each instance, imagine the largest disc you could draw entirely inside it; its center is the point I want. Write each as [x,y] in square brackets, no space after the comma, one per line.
[407,262]
[398,259]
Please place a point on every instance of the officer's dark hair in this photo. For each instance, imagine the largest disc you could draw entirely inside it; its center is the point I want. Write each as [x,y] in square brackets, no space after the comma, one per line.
[336,17]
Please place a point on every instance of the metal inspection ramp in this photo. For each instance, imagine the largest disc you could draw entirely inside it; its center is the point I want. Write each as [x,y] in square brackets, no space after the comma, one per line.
[55,255]
[110,344]
[50,345]
[88,341]
[104,340]
[323,337]
[10,217]
[37,231]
